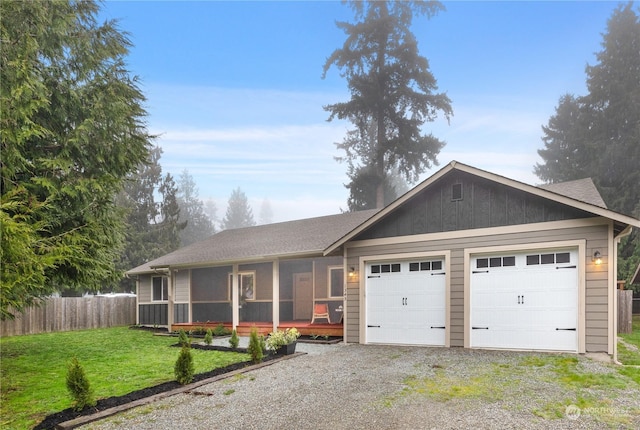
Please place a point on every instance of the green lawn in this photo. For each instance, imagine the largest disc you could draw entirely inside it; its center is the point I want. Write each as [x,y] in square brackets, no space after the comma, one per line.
[116,361]
[628,355]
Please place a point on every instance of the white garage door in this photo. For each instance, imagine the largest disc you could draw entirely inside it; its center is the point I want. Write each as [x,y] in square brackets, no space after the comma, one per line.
[405,302]
[525,300]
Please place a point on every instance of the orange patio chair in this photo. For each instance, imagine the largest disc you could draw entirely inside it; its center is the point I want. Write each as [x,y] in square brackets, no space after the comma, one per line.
[320,310]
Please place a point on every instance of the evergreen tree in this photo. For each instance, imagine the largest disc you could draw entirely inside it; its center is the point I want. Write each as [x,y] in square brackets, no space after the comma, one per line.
[199,226]
[239,213]
[78,386]
[566,151]
[72,129]
[151,227]
[392,90]
[598,135]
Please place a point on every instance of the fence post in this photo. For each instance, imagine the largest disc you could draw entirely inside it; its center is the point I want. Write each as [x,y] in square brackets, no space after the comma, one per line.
[625,306]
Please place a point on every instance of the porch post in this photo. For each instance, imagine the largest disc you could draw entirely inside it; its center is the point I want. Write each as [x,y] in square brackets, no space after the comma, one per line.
[235,311]
[170,292]
[276,294]
[345,280]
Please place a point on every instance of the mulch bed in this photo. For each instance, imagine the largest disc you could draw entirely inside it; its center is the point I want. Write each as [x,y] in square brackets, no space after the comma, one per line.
[52,420]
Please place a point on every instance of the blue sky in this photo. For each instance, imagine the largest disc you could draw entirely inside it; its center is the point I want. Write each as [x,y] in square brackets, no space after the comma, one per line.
[235,90]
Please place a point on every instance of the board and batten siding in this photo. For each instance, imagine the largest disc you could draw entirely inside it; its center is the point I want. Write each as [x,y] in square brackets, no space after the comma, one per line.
[594,232]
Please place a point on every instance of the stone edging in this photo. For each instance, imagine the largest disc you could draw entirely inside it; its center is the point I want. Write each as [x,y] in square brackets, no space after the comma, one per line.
[76,422]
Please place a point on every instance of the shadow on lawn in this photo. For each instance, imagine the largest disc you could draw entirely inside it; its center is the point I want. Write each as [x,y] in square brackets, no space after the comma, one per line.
[51,421]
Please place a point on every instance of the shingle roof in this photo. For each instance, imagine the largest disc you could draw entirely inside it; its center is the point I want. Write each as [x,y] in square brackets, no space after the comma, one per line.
[581,189]
[301,237]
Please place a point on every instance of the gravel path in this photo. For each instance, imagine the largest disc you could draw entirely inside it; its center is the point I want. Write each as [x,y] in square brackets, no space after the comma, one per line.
[384,387]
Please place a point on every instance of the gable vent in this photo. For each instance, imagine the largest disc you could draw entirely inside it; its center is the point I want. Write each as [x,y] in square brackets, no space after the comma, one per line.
[456,192]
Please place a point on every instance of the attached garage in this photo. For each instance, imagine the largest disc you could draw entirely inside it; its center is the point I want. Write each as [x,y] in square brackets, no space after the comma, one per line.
[524,267]
[525,300]
[406,302]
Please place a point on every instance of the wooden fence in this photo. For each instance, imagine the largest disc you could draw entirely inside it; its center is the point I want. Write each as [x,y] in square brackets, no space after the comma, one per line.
[625,307]
[72,313]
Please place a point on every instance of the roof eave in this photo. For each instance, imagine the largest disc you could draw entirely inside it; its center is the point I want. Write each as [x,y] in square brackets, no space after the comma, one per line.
[245,260]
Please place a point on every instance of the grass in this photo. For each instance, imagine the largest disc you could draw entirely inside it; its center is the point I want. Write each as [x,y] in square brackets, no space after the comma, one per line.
[566,371]
[630,355]
[564,374]
[116,361]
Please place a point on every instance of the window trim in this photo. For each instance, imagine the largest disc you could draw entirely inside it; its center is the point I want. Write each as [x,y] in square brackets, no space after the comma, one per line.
[164,287]
[240,274]
[330,280]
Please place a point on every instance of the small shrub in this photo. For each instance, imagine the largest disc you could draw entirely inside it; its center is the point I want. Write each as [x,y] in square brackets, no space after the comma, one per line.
[208,338]
[221,330]
[78,386]
[184,368]
[183,339]
[255,346]
[234,340]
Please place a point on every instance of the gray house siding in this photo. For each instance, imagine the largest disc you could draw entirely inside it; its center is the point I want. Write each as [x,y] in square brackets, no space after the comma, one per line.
[596,279]
[483,204]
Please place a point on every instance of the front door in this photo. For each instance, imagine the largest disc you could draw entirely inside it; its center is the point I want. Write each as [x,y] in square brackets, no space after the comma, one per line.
[302,296]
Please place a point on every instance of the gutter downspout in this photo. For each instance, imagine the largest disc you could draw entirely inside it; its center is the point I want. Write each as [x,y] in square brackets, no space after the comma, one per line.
[624,233]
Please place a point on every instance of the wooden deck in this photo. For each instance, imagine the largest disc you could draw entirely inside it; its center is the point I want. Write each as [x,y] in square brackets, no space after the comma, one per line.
[264,328]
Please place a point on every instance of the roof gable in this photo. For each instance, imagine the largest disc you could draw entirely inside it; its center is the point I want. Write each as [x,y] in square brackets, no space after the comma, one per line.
[461,201]
[574,204]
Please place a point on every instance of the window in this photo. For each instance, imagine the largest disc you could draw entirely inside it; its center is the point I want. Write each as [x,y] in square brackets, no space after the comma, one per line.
[336,280]
[483,263]
[495,262]
[425,266]
[547,259]
[560,257]
[456,192]
[160,287]
[533,260]
[246,285]
[563,257]
[385,268]
[509,261]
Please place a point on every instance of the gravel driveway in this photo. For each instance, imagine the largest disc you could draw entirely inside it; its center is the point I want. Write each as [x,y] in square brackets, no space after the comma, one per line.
[385,387]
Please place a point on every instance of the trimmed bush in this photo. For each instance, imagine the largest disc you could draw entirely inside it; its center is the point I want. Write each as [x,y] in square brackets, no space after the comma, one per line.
[183,339]
[78,386]
[234,340]
[184,368]
[255,346]
[208,338]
